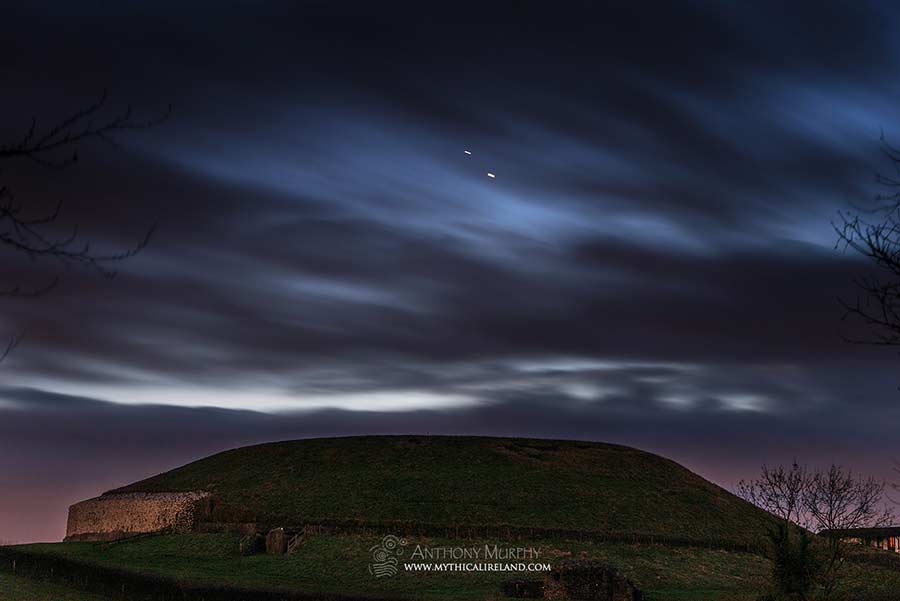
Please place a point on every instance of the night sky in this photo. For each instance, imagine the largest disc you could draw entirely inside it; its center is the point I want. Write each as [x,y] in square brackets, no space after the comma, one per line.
[653,264]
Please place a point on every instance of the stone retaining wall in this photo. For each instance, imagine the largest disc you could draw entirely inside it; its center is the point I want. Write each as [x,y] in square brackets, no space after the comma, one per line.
[114,516]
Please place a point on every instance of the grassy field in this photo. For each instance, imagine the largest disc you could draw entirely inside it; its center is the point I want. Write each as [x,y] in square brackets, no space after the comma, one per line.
[470,481]
[17,588]
[338,564]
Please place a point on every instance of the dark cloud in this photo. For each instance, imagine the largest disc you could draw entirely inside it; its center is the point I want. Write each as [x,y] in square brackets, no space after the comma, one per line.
[653,263]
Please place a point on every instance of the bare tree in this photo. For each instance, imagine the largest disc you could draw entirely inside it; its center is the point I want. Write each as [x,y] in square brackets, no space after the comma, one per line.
[827,502]
[779,491]
[28,233]
[838,500]
[874,232]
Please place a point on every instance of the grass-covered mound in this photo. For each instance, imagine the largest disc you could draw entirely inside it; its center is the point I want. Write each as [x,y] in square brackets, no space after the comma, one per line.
[553,487]
[465,481]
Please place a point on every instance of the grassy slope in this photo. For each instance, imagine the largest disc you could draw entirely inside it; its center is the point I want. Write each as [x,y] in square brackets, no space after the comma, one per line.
[17,588]
[470,481]
[339,564]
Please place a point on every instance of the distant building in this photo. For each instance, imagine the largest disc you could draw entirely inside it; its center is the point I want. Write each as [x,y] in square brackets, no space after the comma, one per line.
[887,538]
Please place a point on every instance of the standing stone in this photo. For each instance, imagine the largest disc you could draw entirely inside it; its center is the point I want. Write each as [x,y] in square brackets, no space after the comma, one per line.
[276,542]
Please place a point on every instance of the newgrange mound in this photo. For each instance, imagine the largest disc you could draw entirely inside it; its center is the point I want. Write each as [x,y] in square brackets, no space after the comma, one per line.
[550,486]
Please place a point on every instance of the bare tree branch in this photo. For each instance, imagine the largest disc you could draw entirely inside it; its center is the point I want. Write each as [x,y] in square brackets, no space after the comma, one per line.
[12,344]
[32,236]
[40,146]
[874,232]
[779,491]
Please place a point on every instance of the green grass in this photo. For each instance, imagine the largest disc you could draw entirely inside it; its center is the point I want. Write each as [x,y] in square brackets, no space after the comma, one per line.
[338,564]
[18,588]
[470,481]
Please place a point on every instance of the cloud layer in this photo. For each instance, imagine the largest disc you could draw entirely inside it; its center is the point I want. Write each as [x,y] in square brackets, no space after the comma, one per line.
[652,264]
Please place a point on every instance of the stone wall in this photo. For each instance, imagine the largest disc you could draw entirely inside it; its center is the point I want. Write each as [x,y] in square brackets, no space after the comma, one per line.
[114,516]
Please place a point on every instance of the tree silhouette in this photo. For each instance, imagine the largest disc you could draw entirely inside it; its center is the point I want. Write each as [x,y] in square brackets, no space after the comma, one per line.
[29,234]
[874,232]
[829,502]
